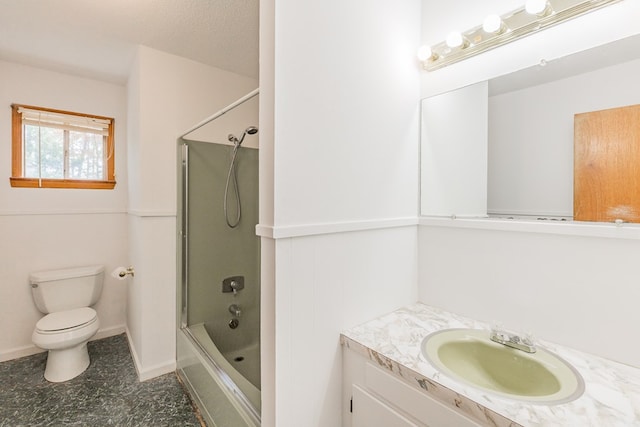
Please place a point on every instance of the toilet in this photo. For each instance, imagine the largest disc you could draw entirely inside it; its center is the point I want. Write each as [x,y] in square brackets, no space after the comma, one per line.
[65,296]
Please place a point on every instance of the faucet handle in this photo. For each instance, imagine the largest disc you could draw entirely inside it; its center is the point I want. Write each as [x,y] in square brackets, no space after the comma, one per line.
[233,284]
[528,338]
[498,333]
[496,326]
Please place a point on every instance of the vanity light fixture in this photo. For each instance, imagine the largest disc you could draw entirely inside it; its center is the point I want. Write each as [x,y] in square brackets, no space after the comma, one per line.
[493,24]
[538,7]
[425,54]
[455,40]
[497,30]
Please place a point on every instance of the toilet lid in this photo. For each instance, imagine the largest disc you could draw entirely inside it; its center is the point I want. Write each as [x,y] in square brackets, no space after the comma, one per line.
[67,319]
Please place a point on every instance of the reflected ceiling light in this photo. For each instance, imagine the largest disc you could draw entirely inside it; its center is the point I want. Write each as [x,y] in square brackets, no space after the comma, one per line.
[493,24]
[455,40]
[497,30]
[538,7]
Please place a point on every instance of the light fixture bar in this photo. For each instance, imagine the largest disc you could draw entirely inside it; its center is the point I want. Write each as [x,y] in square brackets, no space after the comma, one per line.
[515,25]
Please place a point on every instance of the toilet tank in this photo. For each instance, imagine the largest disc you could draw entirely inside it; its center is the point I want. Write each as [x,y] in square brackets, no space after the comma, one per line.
[57,290]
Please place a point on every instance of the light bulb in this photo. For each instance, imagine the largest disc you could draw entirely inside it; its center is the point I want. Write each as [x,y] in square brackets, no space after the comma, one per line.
[456,39]
[493,24]
[425,53]
[537,7]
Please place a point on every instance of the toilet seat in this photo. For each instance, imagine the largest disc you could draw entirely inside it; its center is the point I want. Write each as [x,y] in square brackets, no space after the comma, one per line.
[66,321]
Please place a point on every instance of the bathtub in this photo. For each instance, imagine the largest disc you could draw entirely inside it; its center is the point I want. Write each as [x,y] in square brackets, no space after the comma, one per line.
[202,366]
[240,350]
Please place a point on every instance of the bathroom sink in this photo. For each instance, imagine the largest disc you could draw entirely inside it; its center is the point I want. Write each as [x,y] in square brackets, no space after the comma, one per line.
[469,356]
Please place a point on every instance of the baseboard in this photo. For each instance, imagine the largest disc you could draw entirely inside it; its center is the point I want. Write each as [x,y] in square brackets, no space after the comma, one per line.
[108,332]
[18,352]
[29,350]
[147,373]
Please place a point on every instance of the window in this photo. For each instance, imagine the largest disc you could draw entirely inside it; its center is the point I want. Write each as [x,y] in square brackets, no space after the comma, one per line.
[61,149]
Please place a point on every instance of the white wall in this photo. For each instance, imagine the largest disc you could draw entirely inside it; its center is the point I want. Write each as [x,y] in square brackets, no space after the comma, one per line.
[167,95]
[58,228]
[577,291]
[346,111]
[233,122]
[344,86]
[531,138]
[325,284]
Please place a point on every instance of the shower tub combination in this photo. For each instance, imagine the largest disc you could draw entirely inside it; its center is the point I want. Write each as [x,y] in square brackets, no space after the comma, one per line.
[218,346]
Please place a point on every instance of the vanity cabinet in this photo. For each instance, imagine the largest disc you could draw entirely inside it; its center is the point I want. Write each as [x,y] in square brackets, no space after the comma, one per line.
[372,411]
[373,397]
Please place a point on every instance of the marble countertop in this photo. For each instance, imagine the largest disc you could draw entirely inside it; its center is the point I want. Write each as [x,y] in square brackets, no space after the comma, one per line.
[392,341]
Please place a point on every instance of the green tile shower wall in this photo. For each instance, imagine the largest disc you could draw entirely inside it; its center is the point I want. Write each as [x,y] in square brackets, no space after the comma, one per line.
[215,250]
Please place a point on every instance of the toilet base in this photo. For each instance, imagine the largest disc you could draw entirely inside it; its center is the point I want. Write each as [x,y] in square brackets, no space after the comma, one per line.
[65,364]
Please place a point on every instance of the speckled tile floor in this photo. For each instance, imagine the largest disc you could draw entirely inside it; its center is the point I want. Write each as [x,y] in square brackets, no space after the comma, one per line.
[108,393]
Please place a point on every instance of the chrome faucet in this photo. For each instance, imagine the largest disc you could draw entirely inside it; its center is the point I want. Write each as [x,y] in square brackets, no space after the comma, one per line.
[514,341]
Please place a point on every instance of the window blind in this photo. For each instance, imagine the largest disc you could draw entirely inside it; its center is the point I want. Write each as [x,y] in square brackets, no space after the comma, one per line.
[65,121]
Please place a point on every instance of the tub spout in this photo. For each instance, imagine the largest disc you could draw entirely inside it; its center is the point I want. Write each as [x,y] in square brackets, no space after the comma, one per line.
[235,310]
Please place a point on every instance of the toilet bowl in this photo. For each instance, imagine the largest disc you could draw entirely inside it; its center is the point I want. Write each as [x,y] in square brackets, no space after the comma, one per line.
[66,295]
[65,334]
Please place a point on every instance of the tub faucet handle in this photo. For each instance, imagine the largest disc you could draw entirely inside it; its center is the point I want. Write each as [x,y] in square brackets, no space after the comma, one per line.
[235,287]
[233,284]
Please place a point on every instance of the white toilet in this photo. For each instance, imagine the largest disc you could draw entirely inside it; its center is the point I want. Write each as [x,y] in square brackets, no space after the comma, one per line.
[65,296]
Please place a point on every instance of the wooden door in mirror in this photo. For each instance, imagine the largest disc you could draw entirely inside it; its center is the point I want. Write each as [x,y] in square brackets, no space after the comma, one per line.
[607,165]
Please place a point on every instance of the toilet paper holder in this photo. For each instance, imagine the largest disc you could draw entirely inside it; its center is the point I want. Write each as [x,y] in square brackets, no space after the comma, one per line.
[121,272]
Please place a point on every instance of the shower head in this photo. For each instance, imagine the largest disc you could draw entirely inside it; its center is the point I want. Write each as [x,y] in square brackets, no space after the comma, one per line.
[251,130]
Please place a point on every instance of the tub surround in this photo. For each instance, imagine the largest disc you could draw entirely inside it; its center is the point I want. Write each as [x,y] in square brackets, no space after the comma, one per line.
[392,342]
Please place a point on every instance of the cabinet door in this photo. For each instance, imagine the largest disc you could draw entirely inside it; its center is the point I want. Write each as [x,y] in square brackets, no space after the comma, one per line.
[607,165]
[413,402]
[369,411]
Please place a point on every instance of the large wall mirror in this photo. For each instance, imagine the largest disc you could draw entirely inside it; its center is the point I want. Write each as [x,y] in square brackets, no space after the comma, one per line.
[505,147]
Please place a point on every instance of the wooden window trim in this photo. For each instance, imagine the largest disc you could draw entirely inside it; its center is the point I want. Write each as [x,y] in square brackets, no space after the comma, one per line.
[18,180]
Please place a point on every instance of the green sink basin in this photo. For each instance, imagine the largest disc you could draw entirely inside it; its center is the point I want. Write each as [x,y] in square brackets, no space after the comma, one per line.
[469,356]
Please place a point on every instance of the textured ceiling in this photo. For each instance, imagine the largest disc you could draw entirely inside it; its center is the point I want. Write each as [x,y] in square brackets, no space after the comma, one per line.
[98,38]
